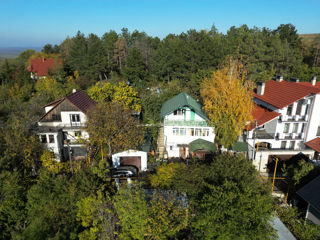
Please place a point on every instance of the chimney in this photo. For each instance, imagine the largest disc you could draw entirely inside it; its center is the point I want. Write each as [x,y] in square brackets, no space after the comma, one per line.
[260,88]
[74,90]
[313,80]
[279,78]
[293,79]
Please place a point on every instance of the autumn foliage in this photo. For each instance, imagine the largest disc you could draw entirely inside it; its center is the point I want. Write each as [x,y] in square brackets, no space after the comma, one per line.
[227,98]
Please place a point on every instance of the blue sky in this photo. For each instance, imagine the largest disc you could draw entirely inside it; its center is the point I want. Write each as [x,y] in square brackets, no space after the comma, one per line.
[25,23]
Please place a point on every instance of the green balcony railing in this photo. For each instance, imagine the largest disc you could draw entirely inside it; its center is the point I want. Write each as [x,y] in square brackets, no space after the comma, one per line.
[185,123]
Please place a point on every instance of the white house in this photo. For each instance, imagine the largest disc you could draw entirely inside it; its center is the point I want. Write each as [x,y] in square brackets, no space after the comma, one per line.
[62,126]
[286,118]
[183,123]
[131,158]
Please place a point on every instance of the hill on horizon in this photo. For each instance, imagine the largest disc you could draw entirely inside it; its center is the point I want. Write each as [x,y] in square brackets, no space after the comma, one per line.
[12,52]
[310,39]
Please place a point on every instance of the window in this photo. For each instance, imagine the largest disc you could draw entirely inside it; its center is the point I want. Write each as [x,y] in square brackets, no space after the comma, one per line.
[205,132]
[191,131]
[289,110]
[198,132]
[77,134]
[179,112]
[283,144]
[51,138]
[299,106]
[318,131]
[43,138]
[170,147]
[302,128]
[182,131]
[75,119]
[286,127]
[291,145]
[176,131]
[295,128]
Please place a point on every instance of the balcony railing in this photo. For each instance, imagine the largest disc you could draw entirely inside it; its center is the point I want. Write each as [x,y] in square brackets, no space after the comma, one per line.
[185,123]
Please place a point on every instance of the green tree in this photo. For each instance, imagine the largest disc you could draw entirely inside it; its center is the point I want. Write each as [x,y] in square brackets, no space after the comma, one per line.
[135,68]
[227,199]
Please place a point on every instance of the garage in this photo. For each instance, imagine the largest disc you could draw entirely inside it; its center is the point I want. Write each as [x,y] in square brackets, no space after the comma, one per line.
[131,161]
[131,158]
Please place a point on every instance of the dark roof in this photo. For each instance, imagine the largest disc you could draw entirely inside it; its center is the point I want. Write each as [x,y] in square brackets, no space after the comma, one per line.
[240,147]
[311,193]
[314,144]
[42,65]
[79,99]
[282,94]
[179,101]
[201,144]
[262,116]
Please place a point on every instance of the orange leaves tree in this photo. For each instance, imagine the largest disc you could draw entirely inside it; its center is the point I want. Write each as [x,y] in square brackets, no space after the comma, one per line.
[113,128]
[227,98]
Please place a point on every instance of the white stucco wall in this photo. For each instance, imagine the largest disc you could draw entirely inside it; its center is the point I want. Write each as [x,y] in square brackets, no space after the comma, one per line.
[314,120]
[131,153]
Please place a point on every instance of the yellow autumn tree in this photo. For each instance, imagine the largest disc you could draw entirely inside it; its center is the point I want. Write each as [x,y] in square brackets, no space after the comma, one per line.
[227,98]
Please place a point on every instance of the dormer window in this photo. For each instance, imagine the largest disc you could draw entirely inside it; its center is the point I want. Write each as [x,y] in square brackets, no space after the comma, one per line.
[75,119]
[179,112]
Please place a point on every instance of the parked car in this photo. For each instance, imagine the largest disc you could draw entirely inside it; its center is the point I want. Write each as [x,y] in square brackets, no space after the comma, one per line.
[123,171]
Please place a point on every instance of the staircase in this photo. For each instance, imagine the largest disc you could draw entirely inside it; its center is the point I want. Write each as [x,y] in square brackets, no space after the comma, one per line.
[160,142]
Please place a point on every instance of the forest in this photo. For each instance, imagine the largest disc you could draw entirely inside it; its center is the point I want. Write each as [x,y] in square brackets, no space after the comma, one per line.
[45,200]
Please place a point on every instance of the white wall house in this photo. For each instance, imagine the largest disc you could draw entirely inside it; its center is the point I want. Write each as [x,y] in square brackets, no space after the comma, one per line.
[286,119]
[184,122]
[62,126]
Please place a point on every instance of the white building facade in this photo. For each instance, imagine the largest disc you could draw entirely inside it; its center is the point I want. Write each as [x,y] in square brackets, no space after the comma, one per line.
[62,128]
[287,116]
[184,122]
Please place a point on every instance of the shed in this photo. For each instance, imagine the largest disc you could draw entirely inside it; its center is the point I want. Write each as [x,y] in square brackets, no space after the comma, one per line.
[131,157]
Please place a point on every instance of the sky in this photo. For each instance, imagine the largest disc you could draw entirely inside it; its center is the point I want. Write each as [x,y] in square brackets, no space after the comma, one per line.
[34,23]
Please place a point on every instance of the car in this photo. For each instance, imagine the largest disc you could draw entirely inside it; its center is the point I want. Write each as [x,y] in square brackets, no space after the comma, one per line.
[123,171]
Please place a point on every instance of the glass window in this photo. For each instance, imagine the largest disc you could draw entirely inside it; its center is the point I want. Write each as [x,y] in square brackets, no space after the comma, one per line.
[179,112]
[318,131]
[51,138]
[283,144]
[182,131]
[77,134]
[56,117]
[75,119]
[205,132]
[291,145]
[295,128]
[289,110]
[302,128]
[299,106]
[44,138]
[198,131]
[191,131]
[286,127]
[176,131]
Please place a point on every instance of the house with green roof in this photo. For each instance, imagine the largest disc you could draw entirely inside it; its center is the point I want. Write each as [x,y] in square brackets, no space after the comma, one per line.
[183,122]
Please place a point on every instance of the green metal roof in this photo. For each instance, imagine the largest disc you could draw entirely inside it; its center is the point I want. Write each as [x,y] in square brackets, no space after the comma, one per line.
[240,147]
[181,100]
[201,144]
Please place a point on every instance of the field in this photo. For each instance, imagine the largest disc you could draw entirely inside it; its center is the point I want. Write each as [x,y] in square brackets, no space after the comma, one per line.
[310,39]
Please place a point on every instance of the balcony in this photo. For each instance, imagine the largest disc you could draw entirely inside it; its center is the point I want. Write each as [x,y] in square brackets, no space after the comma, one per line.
[185,123]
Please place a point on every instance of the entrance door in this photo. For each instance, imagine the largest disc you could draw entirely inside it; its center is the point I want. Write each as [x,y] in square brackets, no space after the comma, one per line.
[183,152]
[131,161]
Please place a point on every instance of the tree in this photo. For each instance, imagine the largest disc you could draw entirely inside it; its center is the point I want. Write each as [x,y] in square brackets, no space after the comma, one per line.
[112,127]
[227,198]
[124,95]
[228,101]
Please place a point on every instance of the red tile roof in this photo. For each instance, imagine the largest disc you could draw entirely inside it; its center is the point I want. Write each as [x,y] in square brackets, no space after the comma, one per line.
[41,66]
[314,144]
[262,116]
[282,94]
[79,99]
[310,85]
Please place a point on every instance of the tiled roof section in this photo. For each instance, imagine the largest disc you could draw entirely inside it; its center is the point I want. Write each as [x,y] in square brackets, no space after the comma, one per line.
[181,100]
[56,102]
[282,94]
[81,100]
[42,65]
[308,84]
[314,144]
[261,115]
